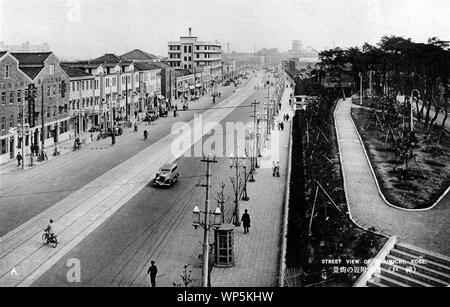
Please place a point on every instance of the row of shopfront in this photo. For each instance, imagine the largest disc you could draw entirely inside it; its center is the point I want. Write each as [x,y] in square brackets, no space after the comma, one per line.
[53,132]
[193,86]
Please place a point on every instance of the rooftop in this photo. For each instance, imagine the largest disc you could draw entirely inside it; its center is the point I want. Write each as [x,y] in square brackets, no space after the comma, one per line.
[138,55]
[163,65]
[145,66]
[31,58]
[74,72]
[108,59]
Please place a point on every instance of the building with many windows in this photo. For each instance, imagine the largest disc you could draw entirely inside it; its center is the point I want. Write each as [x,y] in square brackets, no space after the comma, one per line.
[34,105]
[84,105]
[125,88]
[191,54]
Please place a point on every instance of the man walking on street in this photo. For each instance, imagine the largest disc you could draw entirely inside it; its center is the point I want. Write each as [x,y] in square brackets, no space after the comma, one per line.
[19,159]
[245,221]
[152,270]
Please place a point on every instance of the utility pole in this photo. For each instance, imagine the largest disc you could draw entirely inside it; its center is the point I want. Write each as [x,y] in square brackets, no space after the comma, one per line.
[254,158]
[42,119]
[268,109]
[208,160]
[126,99]
[23,135]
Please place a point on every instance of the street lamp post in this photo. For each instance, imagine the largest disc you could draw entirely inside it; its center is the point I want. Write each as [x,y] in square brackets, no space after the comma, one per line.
[206,224]
[411,107]
[254,158]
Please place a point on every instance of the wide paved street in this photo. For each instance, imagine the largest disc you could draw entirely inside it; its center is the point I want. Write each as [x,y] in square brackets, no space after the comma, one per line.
[23,194]
[119,222]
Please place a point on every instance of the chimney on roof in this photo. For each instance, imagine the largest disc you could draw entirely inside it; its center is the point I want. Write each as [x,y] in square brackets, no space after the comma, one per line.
[190,31]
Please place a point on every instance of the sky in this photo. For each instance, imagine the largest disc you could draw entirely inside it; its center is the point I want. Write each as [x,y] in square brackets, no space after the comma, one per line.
[82,29]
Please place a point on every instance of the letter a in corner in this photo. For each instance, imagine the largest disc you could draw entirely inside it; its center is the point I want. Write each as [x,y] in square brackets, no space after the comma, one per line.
[13,271]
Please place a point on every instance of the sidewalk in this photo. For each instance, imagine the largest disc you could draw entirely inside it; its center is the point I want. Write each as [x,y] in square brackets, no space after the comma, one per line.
[257,254]
[426,229]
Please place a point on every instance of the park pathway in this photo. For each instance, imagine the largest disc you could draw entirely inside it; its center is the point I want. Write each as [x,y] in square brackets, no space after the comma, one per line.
[427,229]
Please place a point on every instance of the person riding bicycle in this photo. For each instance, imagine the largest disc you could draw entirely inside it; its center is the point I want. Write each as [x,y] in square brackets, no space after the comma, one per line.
[50,230]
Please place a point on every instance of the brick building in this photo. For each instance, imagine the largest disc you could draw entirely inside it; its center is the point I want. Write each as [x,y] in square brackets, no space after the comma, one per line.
[36,84]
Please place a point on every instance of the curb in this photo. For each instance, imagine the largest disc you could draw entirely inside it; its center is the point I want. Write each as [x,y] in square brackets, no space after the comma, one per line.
[285,213]
[285,210]
[343,177]
[378,185]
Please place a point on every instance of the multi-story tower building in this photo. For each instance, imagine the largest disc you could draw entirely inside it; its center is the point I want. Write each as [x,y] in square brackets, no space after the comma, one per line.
[297,45]
[191,54]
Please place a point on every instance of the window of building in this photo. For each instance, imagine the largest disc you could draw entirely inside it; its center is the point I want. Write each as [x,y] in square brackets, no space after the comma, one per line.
[19,96]
[185,49]
[190,59]
[2,123]
[82,85]
[48,112]
[11,97]
[90,83]
[54,90]
[190,49]
[52,69]
[73,86]
[7,71]
[11,121]
[107,82]
[63,89]
[48,91]
[3,146]
[3,98]
[78,85]
[114,81]
[54,110]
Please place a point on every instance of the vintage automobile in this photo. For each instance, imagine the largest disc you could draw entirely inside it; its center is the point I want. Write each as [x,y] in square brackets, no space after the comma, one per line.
[151,116]
[167,175]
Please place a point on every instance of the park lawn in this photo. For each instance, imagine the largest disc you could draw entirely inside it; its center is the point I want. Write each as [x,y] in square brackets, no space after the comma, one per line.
[414,192]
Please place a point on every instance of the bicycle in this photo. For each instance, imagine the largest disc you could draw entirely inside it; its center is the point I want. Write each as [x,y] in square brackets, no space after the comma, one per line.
[47,239]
